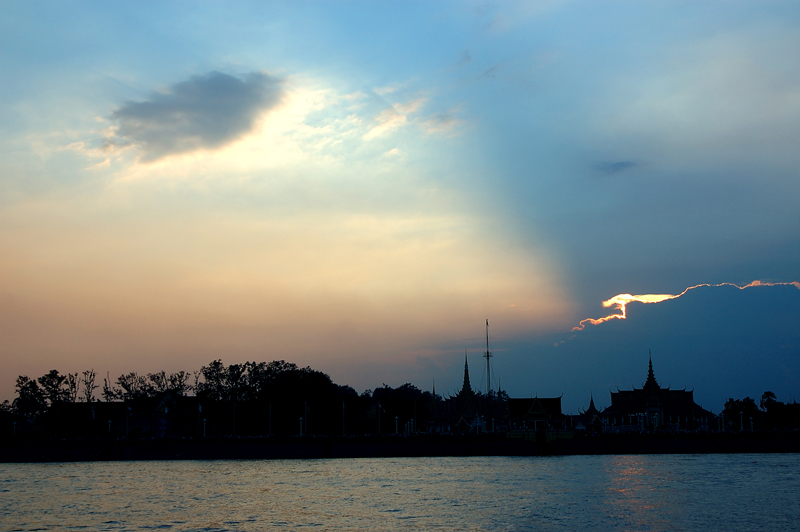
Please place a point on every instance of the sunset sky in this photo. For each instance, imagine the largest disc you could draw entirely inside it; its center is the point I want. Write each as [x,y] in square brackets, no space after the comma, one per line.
[358,186]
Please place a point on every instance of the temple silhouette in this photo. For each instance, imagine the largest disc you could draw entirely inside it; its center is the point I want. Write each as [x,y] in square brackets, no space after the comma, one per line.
[649,408]
[464,413]
[469,412]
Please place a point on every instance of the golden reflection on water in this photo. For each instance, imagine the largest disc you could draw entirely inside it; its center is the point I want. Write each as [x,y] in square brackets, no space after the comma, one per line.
[632,481]
[730,492]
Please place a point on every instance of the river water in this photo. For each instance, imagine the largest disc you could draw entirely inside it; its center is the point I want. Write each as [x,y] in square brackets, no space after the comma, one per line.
[646,492]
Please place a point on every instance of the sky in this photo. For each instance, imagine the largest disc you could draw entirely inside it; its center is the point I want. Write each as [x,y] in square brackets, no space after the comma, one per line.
[358,186]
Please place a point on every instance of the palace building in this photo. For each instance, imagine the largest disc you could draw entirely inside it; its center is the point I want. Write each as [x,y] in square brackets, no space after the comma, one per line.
[652,408]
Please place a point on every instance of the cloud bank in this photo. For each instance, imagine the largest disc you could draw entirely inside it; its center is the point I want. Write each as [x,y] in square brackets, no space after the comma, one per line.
[620,301]
[722,341]
[205,112]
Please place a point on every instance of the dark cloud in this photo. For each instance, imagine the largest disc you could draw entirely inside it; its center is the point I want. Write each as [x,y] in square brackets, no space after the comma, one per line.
[204,112]
[615,167]
[719,341]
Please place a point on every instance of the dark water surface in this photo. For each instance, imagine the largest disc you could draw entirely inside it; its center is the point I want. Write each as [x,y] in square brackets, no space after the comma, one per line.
[650,492]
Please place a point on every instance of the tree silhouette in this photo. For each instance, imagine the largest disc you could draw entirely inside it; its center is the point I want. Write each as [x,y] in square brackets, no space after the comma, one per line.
[87,380]
[767,399]
[739,413]
[53,387]
[31,399]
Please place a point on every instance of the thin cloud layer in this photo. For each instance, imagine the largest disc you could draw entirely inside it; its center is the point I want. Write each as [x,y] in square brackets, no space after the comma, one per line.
[205,112]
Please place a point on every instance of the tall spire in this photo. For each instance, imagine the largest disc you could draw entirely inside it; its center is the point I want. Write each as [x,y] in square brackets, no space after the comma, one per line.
[651,378]
[466,388]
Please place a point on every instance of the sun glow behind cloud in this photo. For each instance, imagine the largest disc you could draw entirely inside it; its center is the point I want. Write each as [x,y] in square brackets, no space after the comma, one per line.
[620,301]
[310,125]
[207,111]
[280,138]
[315,236]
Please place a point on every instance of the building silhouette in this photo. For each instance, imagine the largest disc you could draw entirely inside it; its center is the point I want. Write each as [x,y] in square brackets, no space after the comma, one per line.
[462,412]
[653,408]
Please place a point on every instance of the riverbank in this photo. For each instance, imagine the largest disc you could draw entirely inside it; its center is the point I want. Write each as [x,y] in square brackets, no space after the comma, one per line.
[391,446]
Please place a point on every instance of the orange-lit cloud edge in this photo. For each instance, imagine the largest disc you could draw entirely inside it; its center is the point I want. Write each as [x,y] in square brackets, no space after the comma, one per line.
[620,301]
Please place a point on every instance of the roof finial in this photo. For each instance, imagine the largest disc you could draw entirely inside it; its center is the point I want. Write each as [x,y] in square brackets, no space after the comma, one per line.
[592,410]
[466,388]
[651,378]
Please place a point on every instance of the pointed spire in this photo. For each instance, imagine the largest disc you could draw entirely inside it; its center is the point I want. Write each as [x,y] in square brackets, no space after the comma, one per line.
[466,388]
[592,410]
[433,392]
[651,378]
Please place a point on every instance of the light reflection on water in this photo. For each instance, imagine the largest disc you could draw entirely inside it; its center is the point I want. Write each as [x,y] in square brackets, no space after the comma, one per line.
[656,492]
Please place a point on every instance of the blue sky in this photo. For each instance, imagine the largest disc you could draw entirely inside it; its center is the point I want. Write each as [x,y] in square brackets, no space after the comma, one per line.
[358,185]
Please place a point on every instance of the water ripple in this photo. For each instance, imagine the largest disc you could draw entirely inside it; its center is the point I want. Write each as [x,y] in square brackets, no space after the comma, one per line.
[667,492]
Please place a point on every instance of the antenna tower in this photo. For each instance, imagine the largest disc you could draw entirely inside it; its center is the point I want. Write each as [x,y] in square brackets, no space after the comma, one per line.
[487,356]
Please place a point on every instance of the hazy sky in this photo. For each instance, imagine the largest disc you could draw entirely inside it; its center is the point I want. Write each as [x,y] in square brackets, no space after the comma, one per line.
[357,186]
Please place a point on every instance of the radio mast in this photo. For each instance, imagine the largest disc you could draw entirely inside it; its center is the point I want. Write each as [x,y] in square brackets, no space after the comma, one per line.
[487,356]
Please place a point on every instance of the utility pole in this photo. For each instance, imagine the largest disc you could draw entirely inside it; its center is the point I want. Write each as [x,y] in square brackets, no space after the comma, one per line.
[487,356]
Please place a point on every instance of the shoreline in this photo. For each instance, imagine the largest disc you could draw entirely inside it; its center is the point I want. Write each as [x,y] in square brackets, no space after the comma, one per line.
[389,447]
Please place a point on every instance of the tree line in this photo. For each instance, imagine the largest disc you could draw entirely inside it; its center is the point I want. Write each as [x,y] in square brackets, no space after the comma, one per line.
[278,397]
[768,414]
[253,398]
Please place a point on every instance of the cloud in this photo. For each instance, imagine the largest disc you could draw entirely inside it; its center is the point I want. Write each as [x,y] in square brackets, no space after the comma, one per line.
[723,341]
[615,167]
[394,152]
[313,126]
[205,112]
[393,118]
[620,301]
[441,123]
[384,91]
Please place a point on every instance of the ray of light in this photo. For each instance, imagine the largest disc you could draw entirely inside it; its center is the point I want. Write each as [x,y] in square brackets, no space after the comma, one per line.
[620,301]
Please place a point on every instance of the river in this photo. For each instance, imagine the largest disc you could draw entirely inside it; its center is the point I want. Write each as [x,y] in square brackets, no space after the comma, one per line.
[644,492]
